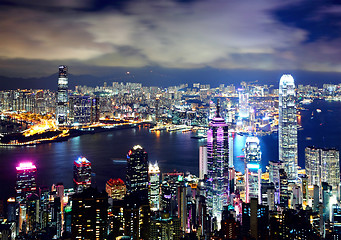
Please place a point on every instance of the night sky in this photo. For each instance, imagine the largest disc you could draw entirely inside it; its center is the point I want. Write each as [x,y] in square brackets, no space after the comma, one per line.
[172,40]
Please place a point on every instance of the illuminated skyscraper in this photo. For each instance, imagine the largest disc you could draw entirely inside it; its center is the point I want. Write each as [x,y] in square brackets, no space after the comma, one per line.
[202,161]
[217,165]
[154,186]
[322,165]
[244,110]
[116,188]
[330,168]
[313,165]
[26,180]
[137,173]
[252,150]
[62,96]
[81,174]
[89,215]
[287,126]
[253,170]
[80,109]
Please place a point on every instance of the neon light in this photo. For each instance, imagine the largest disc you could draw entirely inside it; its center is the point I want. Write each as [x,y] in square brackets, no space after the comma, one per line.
[26,166]
[253,166]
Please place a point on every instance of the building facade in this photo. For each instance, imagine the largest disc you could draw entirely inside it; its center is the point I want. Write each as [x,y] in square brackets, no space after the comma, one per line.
[217,165]
[62,96]
[287,126]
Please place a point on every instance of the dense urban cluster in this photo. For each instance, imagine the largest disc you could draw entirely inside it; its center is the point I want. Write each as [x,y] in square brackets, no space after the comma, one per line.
[284,202]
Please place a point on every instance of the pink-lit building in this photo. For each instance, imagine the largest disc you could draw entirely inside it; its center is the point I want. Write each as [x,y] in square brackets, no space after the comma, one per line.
[26,179]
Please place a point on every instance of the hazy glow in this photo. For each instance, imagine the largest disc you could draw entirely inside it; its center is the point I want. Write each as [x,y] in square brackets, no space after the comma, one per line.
[26,166]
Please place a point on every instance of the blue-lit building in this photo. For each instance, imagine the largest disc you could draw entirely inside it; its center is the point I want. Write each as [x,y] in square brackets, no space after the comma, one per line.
[80,109]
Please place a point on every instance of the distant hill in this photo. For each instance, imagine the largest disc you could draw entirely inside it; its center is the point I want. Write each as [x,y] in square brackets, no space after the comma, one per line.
[163,77]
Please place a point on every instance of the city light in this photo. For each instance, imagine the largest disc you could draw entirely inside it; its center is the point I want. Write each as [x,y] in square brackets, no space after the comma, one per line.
[25,166]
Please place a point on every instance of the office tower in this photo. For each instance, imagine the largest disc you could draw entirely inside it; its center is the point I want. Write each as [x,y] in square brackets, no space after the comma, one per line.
[231,164]
[255,220]
[274,177]
[89,215]
[284,188]
[330,168]
[154,186]
[253,170]
[80,109]
[137,174]
[26,180]
[287,126]
[252,150]
[322,165]
[116,188]
[165,228]
[62,96]
[202,161]
[81,174]
[94,110]
[169,190]
[32,213]
[313,165]
[217,166]
[244,110]
[253,174]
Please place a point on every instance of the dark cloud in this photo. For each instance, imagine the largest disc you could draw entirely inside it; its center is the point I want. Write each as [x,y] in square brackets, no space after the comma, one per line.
[264,34]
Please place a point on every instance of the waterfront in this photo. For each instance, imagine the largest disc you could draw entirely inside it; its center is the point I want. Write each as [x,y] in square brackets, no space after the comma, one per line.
[174,150]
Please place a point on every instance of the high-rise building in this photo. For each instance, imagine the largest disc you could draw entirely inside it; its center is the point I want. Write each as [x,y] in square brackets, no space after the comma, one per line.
[217,166]
[253,170]
[244,110]
[330,168]
[80,109]
[62,96]
[116,188]
[137,173]
[154,186]
[202,161]
[26,179]
[287,126]
[253,174]
[89,215]
[322,165]
[252,151]
[313,165]
[81,174]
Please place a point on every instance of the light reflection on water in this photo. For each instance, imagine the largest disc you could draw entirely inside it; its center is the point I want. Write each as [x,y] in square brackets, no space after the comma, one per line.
[175,150]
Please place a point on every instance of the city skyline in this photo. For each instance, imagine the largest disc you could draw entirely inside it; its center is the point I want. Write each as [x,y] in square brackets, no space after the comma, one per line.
[171,40]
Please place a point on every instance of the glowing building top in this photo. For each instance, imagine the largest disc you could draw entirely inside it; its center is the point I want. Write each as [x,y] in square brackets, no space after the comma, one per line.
[26,166]
[252,150]
[82,162]
[153,168]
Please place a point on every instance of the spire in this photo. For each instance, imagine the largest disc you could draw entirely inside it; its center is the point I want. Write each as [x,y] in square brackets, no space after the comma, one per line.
[218,109]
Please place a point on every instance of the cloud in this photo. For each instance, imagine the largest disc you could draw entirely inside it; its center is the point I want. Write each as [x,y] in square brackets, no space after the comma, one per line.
[219,34]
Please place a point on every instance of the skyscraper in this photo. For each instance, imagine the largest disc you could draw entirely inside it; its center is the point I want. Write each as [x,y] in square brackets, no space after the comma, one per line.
[154,186]
[322,165]
[313,166]
[89,215]
[62,96]
[202,161]
[253,170]
[217,165]
[116,188]
[287,126]
[26,179]
[81,174]
[137,173]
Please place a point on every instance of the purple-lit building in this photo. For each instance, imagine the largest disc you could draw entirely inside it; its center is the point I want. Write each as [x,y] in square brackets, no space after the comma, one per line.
[217,166]
[26,179]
